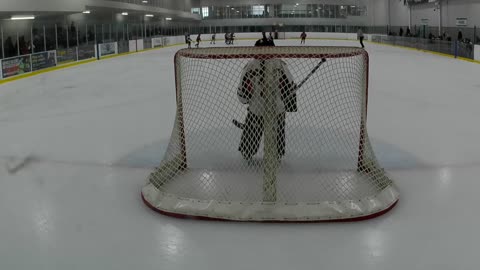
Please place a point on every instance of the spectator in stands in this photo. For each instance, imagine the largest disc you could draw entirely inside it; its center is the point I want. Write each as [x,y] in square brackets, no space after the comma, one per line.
[23,45]
[9,47]
[460,35]
[73,35]
[90,36]
[401,32]
[62,38]
[51,43]
[31,47]
[37,41]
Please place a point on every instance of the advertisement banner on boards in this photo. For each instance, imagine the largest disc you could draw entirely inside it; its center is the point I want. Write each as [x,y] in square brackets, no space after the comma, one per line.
[132,45]
[140,45]
[86,52]
[157,42]
[16,66]
[43,60]
[476,52]
[461,21]
[166,41]
[66,55]
[108,48]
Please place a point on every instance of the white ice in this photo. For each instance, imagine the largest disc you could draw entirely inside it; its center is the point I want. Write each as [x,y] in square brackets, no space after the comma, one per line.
[95,131]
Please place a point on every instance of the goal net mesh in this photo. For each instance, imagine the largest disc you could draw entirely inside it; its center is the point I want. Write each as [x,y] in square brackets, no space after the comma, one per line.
[298,152]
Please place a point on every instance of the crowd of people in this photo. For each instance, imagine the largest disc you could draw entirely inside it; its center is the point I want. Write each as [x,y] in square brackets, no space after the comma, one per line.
[39,42]
[20,45]
[229,39]
[13,48]
[464,44]
[444,36]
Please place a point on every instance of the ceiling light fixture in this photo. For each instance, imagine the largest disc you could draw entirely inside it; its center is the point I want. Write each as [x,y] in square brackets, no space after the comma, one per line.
[23,17]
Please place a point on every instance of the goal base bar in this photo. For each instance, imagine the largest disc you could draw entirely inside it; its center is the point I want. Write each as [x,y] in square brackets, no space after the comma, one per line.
[383,206]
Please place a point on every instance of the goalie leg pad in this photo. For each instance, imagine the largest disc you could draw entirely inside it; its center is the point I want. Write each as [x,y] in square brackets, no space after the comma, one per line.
[251,135]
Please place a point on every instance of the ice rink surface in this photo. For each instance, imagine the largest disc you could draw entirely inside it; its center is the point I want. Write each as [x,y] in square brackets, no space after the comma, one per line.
[94,132]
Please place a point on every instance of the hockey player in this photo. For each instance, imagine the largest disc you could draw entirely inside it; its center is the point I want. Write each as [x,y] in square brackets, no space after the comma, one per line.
[198,41]
[360,37]
[188,40]
[227,36]
[231,38]
[251,91]
[303,36]
[213,38]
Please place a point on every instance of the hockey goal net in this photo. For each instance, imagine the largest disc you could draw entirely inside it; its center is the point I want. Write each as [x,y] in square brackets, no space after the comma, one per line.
[278,163]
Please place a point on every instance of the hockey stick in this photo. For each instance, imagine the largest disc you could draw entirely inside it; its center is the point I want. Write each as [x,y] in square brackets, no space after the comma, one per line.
[238,124]
[311,73]
[242,125]
[14,164]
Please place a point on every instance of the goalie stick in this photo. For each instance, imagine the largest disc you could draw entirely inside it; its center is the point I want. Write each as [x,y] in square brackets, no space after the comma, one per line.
[242,125]
[310,74]
[14,164]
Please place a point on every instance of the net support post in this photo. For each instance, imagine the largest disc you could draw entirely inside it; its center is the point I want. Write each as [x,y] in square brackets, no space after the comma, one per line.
[271,157]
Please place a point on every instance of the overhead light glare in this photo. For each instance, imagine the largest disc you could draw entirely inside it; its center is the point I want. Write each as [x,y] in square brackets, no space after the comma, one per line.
[23,17]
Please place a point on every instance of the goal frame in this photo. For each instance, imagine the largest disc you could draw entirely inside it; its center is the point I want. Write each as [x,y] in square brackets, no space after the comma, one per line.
[183,164]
